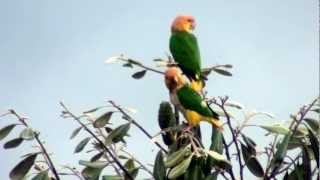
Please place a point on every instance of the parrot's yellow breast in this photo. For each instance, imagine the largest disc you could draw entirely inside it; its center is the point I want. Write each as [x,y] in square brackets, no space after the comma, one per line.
[193,117]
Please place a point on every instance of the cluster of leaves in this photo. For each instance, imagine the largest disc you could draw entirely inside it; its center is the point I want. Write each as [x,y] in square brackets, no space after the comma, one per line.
[292,154]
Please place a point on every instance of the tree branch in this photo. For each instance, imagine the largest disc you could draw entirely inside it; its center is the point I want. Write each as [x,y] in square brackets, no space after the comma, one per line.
[98,140]
[137,125]
[43,149]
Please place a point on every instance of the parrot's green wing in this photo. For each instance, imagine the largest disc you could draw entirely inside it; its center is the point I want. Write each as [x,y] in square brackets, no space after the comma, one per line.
[191,100]
[185,51]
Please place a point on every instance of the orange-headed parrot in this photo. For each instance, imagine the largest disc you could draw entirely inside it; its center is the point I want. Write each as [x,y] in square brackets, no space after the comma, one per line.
[185,51]
[189,101]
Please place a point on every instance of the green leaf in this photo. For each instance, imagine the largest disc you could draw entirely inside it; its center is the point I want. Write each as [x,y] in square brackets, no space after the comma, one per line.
[166,119]
[295,142]
[213,176]
[81,145]
[281,151]
[297,173]
[92,110]
[129,164]
[129,65]
[313,124]
[180,169]
[111,177]
[176,157]
[251,161]
[216,156]
[159,170]
[22,168]
[276,128]
[133,172]
[222,72]
[314,145]
[6,130]
[102,120]
[306,163]
[42,176]
[250,144]
[91,173]
[255,167]
[195,171]
[118,133]
[96,164]
[75,132]
[139,74]
[96,157]
[27,134]
[13,143]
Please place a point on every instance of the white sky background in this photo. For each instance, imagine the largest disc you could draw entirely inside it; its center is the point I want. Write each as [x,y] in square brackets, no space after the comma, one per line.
[54,50]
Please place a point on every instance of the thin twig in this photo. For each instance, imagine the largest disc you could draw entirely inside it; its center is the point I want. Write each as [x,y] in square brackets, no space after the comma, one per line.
[43,149]
[230,171]
[98,140]
[137,125]
[234,138]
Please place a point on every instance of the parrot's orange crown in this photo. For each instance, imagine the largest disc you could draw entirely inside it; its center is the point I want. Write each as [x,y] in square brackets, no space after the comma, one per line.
[183,23]
[174,78]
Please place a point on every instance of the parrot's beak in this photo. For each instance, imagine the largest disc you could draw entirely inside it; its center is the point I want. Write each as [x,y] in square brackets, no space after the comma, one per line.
[192,26]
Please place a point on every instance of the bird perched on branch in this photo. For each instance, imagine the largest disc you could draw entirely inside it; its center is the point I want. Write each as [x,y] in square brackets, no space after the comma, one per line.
[185,50]
[189,101]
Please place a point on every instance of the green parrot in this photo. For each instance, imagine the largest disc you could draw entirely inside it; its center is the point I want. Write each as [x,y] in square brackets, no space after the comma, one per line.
[188,100]
[185,50]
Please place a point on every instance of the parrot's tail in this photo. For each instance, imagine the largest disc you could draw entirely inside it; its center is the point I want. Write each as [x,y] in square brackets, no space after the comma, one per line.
[216,123]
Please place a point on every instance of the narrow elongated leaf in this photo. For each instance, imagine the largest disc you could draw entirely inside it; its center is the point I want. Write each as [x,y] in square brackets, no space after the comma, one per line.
[42,176]
[195,171]
[118,133]
[97,157]
[13,143]
[133,172]
[297,173]
[96,164]
[81,145]
[159,170]
[180,168]
[6,130]
[176,157]
[102,120]
[91,173]
[281,151]
[314,145]
[166,119]
[250,144]
[306,163]
[75,132]
[216,156]
[27,134]
[276,128]
[314,124]
[22,168]
[222,72]
[129,65]
[139,74]
[213,176]
[255,167]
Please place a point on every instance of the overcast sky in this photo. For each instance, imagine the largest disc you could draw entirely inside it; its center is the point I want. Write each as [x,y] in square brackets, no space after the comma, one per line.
[54,50]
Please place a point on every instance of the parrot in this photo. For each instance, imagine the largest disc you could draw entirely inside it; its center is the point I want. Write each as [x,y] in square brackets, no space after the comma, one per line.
[188,100]
[184,48]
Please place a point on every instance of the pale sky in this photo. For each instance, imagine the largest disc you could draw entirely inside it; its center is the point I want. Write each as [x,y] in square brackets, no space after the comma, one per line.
[54,50]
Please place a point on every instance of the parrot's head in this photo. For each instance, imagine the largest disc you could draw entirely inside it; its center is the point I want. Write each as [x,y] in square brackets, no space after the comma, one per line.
[183,23]
[174,79]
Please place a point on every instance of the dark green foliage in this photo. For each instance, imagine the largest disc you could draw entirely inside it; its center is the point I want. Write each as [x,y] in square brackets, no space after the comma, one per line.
[23,167]
[159,170]
[166,119]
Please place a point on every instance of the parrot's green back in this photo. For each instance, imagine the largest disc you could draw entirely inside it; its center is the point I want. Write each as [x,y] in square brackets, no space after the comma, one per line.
[185,51]
[191,100]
